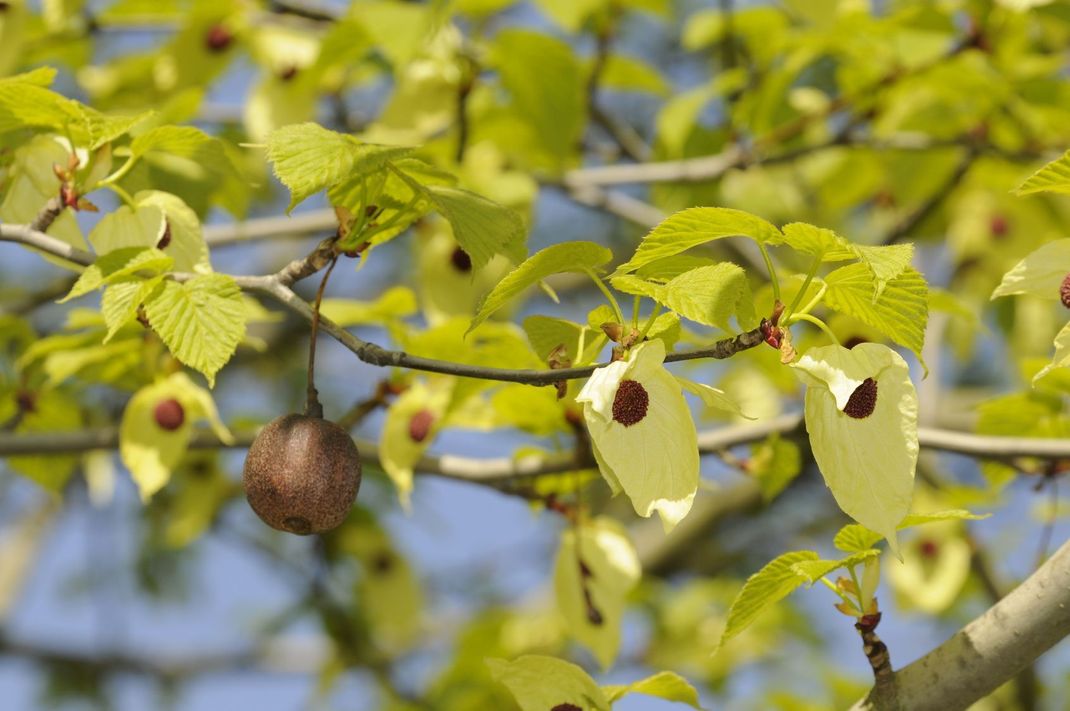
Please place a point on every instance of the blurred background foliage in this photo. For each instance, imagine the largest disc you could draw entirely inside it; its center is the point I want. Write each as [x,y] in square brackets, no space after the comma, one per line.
[886,121]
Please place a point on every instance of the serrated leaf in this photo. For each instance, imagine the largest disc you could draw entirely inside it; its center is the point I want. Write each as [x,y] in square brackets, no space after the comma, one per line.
[816,241]
[307,158]
[709,295]
[865,445]
[120,302]
[201,321]
[117,265]
[539,683]
[697,226]
[482,227]
[772,583]
[814,570]
[664,685]
[566,257]
[901,311]
[1052,178]
[885,262]
[854,538]
[25,101]
[610,570]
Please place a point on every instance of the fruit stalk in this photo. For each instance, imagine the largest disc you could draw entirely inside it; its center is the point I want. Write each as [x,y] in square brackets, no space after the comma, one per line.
[313,408]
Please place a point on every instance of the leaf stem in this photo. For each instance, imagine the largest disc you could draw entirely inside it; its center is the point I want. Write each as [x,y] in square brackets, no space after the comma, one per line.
[772,271]
[111,180]
[121,192]
[607,293]
[806,285]
[820,324]
[650,320]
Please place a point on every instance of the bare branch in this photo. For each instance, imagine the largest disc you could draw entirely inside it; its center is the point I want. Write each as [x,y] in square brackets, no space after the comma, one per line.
[24,234]
[990,650]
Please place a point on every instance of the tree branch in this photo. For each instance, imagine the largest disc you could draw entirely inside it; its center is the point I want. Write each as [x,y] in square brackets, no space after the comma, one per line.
[990,650]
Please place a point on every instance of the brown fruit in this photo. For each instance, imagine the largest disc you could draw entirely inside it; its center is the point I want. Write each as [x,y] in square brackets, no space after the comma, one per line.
[302,474]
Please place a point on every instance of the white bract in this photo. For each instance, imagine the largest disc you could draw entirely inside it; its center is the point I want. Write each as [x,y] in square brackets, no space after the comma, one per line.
[1043,273]
[642,434]
[862,418]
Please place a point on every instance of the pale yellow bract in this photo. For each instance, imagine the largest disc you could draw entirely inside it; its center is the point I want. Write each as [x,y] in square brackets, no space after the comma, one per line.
[867,462]
[1041,274]
[655,460]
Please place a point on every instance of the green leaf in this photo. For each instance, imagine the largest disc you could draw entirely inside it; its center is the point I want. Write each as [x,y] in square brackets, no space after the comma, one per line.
[201,321]
[142,227]
[712,397]
[1052,178]
[769,585]
[625,73]
[121,300]
[546,83]
[900,312]
[886,262]
[664,685]
[854,538]
[25,101]
[814,570]
[540,683]
[117,265]
[816,241]
[697,226]
[482,227]
[610,570]
[570,14]
[395,303]
[566,257]
[183,141]
[186,243]
[546,333]
[774,463]
[308,158]
[709,295]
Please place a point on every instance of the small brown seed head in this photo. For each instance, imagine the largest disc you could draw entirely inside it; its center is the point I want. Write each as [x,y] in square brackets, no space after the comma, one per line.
[420,425]
[928,548]
[1064,291]
[461,260]
[169,414]
[165,238]
[630,403]
[218,38]
[862,401]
